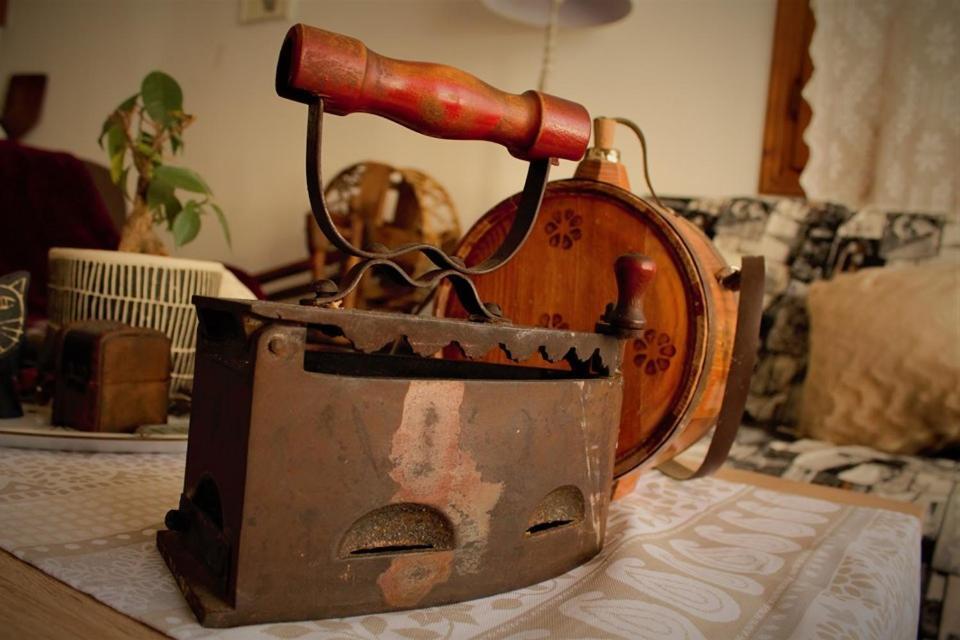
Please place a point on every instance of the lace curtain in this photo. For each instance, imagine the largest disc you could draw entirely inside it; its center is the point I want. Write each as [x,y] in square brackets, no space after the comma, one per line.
[885,95]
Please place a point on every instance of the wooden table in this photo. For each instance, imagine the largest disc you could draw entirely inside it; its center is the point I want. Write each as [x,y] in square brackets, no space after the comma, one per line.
[34,605]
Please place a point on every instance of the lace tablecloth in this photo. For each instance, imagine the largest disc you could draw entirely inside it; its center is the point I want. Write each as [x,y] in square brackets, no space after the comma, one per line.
[702,559]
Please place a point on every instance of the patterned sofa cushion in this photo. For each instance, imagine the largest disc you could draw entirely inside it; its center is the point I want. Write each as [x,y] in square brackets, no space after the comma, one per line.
[802,242]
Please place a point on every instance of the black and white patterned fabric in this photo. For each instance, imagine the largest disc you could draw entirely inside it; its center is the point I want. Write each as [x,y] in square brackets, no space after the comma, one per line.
[803,242]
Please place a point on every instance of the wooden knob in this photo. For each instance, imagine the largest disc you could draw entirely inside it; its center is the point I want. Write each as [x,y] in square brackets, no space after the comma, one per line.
[634,273]
[433,99]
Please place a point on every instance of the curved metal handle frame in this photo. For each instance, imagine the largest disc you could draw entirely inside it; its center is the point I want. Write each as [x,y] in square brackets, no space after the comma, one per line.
[465,289]
[448,266]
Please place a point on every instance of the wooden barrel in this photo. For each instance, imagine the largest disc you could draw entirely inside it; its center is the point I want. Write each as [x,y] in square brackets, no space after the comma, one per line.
[675,375]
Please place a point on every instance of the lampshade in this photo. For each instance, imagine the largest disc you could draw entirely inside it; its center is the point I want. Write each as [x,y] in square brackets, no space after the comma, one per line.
[573,13]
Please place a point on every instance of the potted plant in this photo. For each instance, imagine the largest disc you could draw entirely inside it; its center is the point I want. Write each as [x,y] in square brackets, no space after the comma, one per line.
[142,128]
[140,284]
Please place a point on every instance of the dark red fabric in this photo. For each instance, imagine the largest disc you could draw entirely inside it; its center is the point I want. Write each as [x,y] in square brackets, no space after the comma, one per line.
[47,199]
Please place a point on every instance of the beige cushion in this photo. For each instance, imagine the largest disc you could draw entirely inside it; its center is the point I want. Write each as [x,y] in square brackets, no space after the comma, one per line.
[884,366]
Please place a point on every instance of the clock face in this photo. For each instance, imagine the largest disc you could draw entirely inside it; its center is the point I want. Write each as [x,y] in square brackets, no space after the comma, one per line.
[13,310]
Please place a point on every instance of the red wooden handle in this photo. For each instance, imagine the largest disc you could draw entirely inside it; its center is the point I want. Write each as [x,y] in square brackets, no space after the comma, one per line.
[433,99]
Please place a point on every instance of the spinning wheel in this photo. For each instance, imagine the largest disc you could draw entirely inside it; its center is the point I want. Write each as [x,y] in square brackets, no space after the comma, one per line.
[376,204]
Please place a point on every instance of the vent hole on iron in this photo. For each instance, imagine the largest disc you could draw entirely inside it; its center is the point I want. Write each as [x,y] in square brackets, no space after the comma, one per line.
[206,498]
[559,509]
[546,526]
[398,528]
[396,548]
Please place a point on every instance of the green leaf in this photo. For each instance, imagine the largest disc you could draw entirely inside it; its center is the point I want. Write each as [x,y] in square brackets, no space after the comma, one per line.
[122,180]
[117,148]
[181,178]
[186,225]
[146,150]
[223,223]
[127,105]
[107,124]
[171,209]
[160,195]
[161,97]
[116,168]
[116,140]
[176,143]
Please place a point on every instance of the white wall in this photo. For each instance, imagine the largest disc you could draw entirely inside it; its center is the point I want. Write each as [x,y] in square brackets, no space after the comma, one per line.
[692,73]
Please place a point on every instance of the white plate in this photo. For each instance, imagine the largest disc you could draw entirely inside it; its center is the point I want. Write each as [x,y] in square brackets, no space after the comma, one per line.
[34,431]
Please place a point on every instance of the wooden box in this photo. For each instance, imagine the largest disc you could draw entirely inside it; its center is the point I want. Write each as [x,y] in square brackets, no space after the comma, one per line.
[111,377]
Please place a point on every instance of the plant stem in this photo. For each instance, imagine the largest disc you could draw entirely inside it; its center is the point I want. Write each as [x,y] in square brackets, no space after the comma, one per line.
[138,235]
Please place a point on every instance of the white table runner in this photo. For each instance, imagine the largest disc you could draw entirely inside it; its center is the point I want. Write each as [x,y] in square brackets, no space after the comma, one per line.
[703,559]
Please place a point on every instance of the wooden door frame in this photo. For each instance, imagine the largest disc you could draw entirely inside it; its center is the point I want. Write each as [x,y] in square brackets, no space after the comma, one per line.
[784,152]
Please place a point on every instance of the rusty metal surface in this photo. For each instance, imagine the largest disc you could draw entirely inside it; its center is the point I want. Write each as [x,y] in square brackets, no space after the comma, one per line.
[313,493]
[371,331]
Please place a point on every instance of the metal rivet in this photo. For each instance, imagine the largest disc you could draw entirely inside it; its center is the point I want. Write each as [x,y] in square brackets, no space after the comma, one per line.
[279,346]
[324,288]
[729,278]
[494,309]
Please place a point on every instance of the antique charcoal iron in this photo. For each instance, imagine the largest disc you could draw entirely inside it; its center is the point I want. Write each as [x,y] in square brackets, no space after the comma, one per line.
[337,465]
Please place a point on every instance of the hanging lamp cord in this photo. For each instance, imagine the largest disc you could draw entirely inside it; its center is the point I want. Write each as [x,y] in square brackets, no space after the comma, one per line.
[643,148]
[550,43]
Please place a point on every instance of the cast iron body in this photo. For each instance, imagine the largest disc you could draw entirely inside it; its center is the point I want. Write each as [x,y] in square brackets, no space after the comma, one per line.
[328,477]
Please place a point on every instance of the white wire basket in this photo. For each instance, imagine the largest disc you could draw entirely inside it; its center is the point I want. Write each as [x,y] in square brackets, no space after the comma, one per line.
[139,290]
